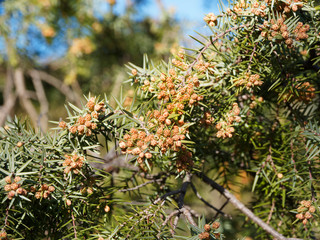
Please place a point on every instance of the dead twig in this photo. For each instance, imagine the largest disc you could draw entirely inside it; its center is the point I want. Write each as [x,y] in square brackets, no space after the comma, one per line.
[239,205]
[8,106]
[74,226]
[23,96]
[41,95]
[187,213]
[183,190]
[207,203]
[271,211]
[61,86]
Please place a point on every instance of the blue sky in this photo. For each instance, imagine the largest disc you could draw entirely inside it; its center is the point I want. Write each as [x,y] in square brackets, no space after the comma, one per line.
[190,10]
[189,13]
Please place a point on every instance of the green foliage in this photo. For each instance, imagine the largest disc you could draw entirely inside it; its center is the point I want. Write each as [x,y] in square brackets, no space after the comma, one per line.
[197,230]
[243,104]
[37,160]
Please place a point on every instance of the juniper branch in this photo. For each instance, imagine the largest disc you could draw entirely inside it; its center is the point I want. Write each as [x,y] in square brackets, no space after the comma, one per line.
[239,205]
[207,203]
[208,44]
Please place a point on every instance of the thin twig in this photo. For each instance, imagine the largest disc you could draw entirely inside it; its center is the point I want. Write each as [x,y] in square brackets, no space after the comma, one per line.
[163,197]
[292,157]
[154,176]
[42,99]
[8,106]
[74,225]
[207,203]
[5,220]
[170,216]
[193,212]
[239,205]
[9,83]
[175,223]
[271,211]
[187,211]
[187,214]
[141,185]
[183,190]
[221,208]
[182,209]
[23,96]
[9,97]
[61,86]
[269,159]
[96,157]
[112,161]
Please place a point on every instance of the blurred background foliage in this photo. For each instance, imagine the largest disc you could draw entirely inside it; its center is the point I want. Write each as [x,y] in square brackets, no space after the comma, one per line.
[53,50]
